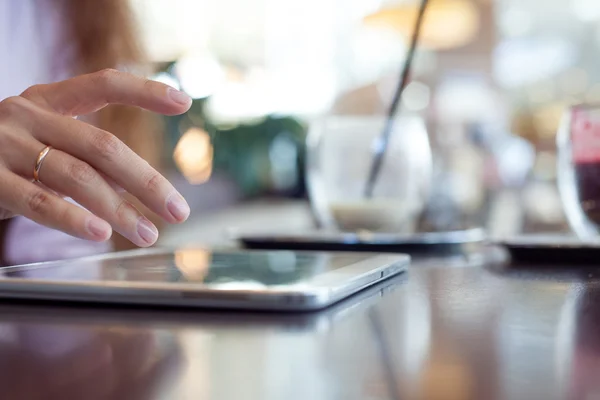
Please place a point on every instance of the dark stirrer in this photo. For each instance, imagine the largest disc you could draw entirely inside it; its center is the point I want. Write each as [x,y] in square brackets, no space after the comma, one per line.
[380,147]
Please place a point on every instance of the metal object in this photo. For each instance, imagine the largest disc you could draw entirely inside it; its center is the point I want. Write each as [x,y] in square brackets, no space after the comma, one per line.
[39,161]
[380,147]
[145,277]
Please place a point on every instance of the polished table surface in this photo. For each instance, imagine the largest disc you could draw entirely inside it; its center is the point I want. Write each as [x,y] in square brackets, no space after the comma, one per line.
[447,329]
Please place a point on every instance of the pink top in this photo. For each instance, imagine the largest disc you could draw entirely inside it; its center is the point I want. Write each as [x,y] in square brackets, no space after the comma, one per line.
[30,41]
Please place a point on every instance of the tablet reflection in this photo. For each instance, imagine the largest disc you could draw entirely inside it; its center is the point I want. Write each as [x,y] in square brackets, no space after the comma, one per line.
[193,263]
[42,361]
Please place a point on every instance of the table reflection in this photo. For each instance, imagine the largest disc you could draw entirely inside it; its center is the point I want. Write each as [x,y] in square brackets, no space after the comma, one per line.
[63,361]
[579,342]
[434,333]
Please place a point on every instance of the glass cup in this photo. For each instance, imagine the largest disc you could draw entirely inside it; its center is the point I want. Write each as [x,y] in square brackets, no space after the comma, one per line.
[339,156]
[578,144]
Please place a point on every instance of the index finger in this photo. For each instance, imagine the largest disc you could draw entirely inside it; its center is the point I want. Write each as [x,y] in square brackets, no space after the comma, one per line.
[85,94]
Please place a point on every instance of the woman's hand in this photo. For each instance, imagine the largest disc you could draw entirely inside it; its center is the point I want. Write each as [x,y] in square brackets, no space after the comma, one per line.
[85,163]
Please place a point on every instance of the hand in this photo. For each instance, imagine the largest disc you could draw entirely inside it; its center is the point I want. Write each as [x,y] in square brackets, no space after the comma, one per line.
[86,163]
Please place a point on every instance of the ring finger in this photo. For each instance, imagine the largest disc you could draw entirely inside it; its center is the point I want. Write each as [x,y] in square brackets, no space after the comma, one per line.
[74,178]
[45,208]
[111,156]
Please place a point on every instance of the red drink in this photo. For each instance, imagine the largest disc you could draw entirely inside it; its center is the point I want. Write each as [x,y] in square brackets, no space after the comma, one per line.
[587,177]
[579,170]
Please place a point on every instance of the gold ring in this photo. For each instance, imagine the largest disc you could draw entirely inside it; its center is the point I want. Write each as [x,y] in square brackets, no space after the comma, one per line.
[39,162]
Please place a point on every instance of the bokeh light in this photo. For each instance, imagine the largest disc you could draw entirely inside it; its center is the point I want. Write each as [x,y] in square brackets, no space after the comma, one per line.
[199,75]
[448,23]
[193,156]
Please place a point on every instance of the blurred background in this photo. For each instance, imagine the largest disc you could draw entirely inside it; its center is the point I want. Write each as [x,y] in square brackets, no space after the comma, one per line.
[490,81]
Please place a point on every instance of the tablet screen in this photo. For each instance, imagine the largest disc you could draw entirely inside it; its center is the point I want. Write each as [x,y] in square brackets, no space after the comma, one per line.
[198,266]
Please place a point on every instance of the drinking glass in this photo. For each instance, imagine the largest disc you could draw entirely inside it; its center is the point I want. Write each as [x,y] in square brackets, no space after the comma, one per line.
[578,144]
[339,156]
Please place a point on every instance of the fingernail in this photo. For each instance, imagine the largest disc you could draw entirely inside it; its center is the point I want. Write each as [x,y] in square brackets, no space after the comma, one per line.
[147,231]
[98,228]
[178,207]
[179,97]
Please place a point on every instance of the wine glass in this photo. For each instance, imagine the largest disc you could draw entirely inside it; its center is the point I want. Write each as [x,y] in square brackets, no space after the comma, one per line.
[578,144]
[339,155]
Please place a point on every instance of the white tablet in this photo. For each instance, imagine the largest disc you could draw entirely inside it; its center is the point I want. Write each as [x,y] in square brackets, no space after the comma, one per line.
[200,277]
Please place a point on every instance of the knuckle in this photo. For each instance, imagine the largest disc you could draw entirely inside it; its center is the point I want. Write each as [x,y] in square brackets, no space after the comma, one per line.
[12,106]
[105,76]
[32,91]
[153,182]
[124,210]
[39,202]
[149,85]
[107,145]
[12,143]
[81,173]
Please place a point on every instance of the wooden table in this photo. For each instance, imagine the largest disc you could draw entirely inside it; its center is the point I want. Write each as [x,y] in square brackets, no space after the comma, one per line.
[447,329]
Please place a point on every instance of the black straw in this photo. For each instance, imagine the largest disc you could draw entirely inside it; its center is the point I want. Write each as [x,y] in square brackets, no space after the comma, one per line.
[382,144]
